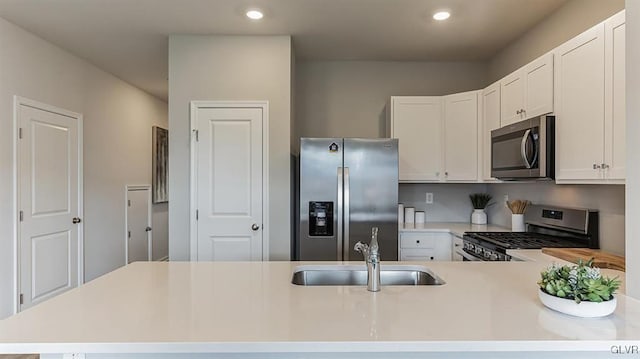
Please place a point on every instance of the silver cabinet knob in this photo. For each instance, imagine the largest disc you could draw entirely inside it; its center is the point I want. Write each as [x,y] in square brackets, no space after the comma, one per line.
[76,220]
[255,227]
[446,173]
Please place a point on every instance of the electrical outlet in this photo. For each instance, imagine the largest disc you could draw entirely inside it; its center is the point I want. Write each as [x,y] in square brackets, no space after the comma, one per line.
[506,198]
[429,198]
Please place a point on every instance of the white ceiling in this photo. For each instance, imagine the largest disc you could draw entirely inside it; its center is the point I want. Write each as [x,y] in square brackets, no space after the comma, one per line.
[128,38]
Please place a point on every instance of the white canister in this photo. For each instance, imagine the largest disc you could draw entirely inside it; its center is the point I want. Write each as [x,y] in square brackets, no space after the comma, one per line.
[420,217]
[409,215]
[400,213]
[517,222]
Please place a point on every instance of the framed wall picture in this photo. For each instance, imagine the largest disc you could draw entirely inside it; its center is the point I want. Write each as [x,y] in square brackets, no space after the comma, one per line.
[160,165]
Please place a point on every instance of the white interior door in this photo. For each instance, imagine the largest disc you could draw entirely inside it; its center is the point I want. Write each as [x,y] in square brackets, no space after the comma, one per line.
[229,194]
[138,224]
[49,181]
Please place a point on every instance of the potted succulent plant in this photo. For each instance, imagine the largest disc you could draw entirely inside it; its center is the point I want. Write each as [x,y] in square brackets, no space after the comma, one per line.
[578,290]
[480,202]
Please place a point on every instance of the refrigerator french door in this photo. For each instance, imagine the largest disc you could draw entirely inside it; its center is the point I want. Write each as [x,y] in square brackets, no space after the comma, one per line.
[347,186]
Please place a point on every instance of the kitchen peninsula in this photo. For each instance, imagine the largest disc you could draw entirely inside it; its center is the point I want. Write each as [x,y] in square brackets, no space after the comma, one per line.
[251,308]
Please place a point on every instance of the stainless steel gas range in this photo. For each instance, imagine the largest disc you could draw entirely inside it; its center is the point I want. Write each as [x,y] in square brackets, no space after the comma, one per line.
[547,227]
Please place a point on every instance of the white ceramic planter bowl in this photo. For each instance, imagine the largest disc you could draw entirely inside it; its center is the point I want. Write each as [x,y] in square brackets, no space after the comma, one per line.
[582,309]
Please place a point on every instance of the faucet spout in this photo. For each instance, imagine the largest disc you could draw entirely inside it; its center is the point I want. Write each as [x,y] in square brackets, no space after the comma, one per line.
[371,255]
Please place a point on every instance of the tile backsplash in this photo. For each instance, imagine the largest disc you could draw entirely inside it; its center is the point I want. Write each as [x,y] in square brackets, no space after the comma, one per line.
[607,199]
[451,203]
[450,200]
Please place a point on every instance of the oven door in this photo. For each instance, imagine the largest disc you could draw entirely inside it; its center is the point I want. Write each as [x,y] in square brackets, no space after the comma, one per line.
[519,150]
[466,256]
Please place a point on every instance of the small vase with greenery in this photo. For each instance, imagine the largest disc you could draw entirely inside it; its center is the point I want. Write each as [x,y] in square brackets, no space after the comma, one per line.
[582,288]
[480,201]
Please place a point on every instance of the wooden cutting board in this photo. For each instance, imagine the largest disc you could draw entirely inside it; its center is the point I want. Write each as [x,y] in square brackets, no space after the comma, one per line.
[601,259]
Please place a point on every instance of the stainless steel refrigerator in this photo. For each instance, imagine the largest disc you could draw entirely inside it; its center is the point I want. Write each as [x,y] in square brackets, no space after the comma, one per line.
[347,186]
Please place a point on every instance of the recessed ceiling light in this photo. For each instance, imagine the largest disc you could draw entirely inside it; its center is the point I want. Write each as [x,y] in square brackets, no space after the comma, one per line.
[255,14]
[441,15]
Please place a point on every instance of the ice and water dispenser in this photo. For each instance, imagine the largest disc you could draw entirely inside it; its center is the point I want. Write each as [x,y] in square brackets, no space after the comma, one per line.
[320,219]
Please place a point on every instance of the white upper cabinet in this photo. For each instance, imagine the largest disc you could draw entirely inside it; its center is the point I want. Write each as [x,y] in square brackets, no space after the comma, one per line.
[512,88]
[417,123]
[528,92]
[489,122]
[614,104]
[461,136]
[580,86]
[538,91]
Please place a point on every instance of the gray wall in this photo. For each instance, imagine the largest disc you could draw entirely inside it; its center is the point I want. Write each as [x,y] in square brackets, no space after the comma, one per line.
[230,68]
[633,148]
[450,201]
[348,98]
[117,145]
[568,21]
[608,199]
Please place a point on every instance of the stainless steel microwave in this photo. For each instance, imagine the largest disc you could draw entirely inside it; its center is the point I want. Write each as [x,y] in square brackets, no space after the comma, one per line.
[524,150]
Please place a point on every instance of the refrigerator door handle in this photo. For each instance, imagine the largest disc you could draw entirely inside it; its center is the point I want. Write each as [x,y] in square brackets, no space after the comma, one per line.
[339,213]
[346,219]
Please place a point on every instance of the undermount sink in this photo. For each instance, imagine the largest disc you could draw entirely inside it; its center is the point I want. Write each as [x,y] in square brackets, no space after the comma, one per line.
[314,275]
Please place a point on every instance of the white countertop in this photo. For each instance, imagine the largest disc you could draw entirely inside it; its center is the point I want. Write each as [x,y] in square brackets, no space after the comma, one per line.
[456,228]
[252,307]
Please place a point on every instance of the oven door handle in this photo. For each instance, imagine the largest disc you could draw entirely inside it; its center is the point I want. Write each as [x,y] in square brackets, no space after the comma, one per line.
[468,256]
[523,148]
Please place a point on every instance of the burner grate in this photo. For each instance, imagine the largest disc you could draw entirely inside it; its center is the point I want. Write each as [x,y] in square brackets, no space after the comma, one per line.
[524,240]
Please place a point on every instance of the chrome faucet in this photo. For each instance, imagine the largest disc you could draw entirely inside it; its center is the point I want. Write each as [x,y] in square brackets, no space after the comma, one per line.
[372,258]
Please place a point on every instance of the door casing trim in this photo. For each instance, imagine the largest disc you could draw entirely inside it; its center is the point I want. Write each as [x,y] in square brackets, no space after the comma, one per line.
[194,107]
[22,101]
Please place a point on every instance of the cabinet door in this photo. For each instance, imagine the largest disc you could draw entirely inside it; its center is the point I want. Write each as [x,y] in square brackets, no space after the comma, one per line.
[490,122]
[512,104]
[461,136]
[614,130]
[444,247]
[538,89]
[456,243]
[579,76]
[417,123]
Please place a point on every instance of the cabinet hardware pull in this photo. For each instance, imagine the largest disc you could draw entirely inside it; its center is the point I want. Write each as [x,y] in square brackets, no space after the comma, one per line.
[596,167]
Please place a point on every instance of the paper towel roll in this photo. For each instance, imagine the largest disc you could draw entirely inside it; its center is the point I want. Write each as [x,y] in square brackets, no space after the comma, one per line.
[420,217]
[400,213]
[409,215]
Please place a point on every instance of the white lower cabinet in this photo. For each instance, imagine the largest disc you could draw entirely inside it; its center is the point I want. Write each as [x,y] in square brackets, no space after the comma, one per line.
[456,244]
[425,246]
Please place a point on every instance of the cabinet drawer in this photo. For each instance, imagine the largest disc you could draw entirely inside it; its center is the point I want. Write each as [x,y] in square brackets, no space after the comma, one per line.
[421,255]
[422,240]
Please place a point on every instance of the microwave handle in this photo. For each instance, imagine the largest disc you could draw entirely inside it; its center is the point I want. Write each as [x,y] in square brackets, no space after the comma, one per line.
[523,148]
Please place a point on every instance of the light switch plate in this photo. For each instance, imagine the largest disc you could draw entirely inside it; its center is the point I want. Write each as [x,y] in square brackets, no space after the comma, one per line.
[429,198]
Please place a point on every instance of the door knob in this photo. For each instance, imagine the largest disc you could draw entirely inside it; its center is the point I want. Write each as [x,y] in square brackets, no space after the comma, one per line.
[255,226]
[76,220]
